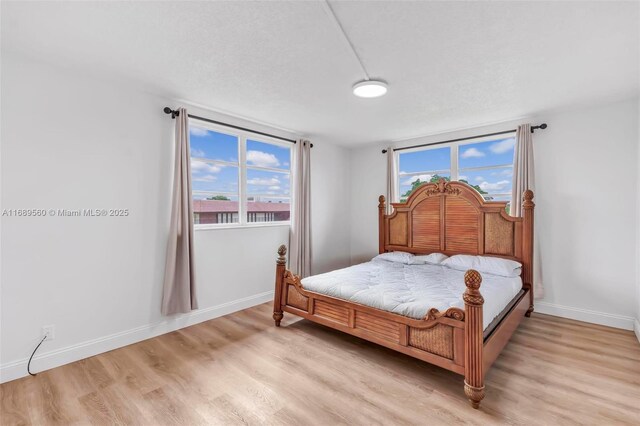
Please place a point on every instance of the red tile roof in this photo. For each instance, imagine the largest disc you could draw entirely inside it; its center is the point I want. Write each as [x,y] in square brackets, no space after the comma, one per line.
[220,206]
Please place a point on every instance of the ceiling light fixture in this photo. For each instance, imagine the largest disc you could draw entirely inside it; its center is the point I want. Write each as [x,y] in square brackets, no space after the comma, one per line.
[366,88]
[370,88]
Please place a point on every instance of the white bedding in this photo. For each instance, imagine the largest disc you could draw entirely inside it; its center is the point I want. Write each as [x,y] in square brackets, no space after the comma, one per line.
[411,290]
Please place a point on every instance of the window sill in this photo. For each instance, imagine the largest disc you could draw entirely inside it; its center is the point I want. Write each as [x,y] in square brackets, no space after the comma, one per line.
[210,227]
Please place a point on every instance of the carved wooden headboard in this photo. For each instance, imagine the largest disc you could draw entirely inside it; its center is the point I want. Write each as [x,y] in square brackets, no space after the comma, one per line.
[453,218]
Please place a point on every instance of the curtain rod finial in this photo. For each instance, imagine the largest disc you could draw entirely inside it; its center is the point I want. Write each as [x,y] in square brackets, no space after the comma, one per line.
[384,151]
[541,126]
[173,113]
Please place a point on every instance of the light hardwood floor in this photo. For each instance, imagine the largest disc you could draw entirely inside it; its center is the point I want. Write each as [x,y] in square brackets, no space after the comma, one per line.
[241,369]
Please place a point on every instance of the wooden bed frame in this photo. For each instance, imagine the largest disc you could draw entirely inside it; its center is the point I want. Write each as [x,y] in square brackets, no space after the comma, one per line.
[444,217]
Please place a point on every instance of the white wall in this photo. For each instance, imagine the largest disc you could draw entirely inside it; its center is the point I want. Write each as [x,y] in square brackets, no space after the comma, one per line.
[637,320]
[330,242]
[368,182]
[586,171]
[74,141]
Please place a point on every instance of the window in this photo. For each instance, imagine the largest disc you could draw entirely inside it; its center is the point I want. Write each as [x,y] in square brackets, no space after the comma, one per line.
[237,177]
[485,164]
[418,167]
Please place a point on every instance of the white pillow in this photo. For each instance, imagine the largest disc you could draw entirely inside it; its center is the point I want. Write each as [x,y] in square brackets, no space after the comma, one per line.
[433,259]
[486,264]
[396,256]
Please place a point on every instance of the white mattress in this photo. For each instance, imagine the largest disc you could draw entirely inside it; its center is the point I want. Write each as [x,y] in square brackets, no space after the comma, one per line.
[411,290]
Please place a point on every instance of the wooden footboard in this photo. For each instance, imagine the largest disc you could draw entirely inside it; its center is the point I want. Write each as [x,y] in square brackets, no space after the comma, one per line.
[452,339]
[437,339]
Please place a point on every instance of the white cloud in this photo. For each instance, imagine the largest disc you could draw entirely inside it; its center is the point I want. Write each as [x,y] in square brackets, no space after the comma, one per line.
[265,182]
[505,172]
[205,178]
[472,153]
[493,187]
[503,146]
[197,131]
[463,177]
[197,153]
[479,178]
[274,188]
[262,159]
[202,167]
[423,178]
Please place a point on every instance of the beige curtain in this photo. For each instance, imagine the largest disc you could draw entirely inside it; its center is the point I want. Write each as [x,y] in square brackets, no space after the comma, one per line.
[179,295]
[300,254]
[392,180]
[523,179]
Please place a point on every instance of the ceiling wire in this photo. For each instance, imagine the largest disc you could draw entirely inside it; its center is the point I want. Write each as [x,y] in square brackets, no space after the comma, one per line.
[345,38]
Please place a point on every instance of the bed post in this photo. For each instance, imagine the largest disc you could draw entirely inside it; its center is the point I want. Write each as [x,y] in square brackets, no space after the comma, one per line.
[281,263]
[527,250]
[381,211]
[473,339]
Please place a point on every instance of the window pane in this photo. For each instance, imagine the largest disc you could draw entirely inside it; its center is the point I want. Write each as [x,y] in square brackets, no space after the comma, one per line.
[267,183]
[262,154]
[424,161]
[213,177]
[490,181]
[209,208]
[491,153]
[267,209]
[212,145]
[408,184]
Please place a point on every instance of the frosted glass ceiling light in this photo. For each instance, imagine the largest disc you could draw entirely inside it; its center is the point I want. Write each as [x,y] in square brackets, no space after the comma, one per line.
[370,88]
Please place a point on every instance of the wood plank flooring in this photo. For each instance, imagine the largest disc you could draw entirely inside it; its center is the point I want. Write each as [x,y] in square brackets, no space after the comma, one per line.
[240,369]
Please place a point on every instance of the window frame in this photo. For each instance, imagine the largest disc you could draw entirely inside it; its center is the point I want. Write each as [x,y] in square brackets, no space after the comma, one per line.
[455,169]
[242,136]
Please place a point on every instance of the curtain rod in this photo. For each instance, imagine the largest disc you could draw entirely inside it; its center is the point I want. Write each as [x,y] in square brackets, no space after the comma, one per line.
[175,113]
[542,126]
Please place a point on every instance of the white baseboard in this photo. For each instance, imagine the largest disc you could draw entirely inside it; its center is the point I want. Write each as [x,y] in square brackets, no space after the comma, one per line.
[594,317]
[636,328]
[15,370]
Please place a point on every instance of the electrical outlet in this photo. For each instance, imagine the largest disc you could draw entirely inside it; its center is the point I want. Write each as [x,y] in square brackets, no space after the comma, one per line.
[49,331]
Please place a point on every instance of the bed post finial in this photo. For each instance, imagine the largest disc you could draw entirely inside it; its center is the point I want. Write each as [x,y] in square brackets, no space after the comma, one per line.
[473,330]
[281,264]
[381,223]
[282,251]
[527,245]
[528,198]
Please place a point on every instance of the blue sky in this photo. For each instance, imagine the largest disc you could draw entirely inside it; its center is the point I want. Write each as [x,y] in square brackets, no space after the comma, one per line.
[497,152]
[213,145]
[221,178]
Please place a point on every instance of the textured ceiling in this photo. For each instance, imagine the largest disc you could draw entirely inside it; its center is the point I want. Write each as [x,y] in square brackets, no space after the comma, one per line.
[449,64]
